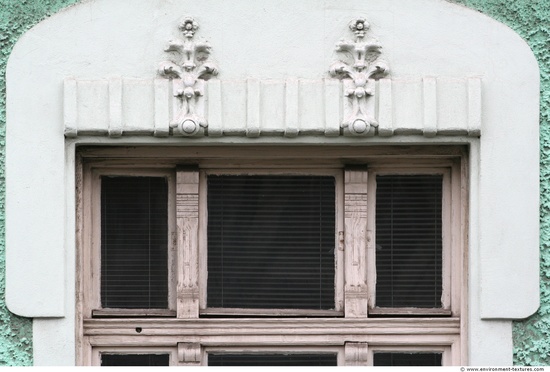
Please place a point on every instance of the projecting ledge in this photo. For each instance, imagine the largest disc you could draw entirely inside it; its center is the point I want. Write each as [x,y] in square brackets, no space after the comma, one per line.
[252,108]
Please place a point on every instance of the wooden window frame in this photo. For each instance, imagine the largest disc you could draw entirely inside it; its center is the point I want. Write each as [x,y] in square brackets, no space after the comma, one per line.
[338,350]
[448,356]
[203,243]
[357,331]
[125,350]
[92,245]
[451,238]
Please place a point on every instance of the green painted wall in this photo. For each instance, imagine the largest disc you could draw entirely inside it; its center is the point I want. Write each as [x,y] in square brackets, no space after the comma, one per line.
[529,18]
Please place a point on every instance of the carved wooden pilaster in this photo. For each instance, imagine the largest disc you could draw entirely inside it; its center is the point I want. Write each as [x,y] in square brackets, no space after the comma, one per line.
[355,211]
[356,353]
[187,220]
[189,354]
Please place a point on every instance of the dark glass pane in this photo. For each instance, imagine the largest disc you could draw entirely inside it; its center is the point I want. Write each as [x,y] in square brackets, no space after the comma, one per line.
[301,360]
[134,238]
[271,242]
[408,241]
[407,359]
[137,360]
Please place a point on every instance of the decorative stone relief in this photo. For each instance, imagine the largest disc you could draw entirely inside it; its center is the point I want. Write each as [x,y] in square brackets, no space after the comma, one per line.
[189,74]
[359,77]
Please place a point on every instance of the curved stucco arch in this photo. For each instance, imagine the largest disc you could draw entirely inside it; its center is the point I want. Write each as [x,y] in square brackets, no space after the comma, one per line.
[102,39]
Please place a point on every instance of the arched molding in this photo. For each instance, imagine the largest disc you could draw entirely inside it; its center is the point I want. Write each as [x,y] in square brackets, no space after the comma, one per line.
[456,77]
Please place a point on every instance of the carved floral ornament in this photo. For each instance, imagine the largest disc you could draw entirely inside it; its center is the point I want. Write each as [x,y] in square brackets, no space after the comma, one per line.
[189,74]
[358,78]
[193,68]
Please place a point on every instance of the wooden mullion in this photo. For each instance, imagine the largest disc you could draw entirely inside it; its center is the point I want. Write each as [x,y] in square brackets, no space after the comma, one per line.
[355,221]
[189,354]
[82,275]
[187,221]
[93,255]
[448,234]
[455,251]
[356,353]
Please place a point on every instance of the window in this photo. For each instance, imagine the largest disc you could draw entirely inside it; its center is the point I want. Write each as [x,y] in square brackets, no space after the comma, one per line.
[142,360]
[418,355]
[135,357]
[271,261]
[132,228]
[271,242]
[406,359]
[224,360]
[134,242]
[282,356]
[414,241]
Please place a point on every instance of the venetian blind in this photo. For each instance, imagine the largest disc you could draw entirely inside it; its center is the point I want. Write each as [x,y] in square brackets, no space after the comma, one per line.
[407,359]
[408,241]
[134,238]
[134,360]
[278,360]
[271,241]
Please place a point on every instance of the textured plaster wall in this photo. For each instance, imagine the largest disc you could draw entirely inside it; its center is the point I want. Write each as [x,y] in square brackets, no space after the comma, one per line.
[16,17]
[530,18]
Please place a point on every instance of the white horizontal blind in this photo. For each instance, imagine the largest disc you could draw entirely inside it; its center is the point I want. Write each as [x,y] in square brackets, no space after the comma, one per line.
[134,238]
[409,241]
[271,241]
[278,360]
[134,360]
[404,359]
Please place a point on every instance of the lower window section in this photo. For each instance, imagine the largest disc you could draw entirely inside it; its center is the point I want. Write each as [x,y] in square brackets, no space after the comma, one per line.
[354,354]
[299,360]
[134,360]
[405,359]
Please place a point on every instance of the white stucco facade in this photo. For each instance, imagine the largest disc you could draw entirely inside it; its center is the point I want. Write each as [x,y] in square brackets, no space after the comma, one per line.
[457,77]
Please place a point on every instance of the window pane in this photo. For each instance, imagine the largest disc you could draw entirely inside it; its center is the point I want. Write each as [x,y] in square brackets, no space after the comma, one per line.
[271,242]
[302,360]
[138,360]
[407,359]
[134,238]
[408,241]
